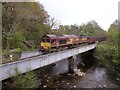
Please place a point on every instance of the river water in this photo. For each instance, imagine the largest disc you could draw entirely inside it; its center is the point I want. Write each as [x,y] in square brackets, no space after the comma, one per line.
[58,76]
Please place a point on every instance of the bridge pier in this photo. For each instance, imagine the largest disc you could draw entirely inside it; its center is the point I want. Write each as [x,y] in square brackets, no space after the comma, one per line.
[72,61]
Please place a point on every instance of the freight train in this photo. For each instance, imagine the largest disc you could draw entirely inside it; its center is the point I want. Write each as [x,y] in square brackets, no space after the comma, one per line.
[51,43]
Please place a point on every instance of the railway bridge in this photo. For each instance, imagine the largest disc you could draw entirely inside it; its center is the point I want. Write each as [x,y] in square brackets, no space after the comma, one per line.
[34,62]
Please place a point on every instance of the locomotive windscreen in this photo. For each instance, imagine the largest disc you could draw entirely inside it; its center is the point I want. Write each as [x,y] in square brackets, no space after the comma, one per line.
[46,40]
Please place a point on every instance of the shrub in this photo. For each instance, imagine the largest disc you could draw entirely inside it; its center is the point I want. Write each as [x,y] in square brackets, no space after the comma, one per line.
[107,54]
[27,80]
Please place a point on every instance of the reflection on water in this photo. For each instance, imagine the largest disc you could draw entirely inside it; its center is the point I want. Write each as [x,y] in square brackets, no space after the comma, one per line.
[99,73]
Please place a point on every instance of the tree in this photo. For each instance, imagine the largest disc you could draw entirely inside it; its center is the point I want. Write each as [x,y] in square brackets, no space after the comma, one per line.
[26,18]
[112,34]
[89,29]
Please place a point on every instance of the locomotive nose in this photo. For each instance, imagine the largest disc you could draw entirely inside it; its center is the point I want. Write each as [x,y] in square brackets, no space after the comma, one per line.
[45,45]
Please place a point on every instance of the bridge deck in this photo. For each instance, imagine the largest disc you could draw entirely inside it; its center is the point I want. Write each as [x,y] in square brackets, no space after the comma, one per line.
[27,64]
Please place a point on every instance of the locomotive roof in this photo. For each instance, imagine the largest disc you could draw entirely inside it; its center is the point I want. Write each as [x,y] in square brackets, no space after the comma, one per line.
[70,36]
[60,37]
[50,36]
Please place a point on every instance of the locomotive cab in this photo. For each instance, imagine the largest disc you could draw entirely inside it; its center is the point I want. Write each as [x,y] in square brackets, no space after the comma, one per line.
[47,42]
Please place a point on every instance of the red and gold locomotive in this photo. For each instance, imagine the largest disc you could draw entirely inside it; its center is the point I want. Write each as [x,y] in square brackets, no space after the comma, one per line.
[55,43]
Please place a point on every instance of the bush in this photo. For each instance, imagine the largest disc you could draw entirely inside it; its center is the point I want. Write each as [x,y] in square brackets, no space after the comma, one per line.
[108,54]
[27,80]
[15,53]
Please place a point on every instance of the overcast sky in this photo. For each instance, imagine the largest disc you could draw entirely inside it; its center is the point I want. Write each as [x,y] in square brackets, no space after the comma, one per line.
[69,12]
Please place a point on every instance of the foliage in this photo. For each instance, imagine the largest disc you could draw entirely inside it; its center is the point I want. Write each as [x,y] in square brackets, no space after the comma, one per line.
[89,29]
[16,40]
[108,52]
[15,53]
[27,80]
[27,18]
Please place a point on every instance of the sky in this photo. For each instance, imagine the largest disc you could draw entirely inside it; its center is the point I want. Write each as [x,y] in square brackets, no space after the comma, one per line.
[70,12]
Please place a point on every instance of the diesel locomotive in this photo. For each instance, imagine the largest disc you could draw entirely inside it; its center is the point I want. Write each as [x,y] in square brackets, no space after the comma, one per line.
[51,43]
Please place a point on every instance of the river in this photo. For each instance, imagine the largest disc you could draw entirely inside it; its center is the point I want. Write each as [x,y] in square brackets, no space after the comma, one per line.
[58,76]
